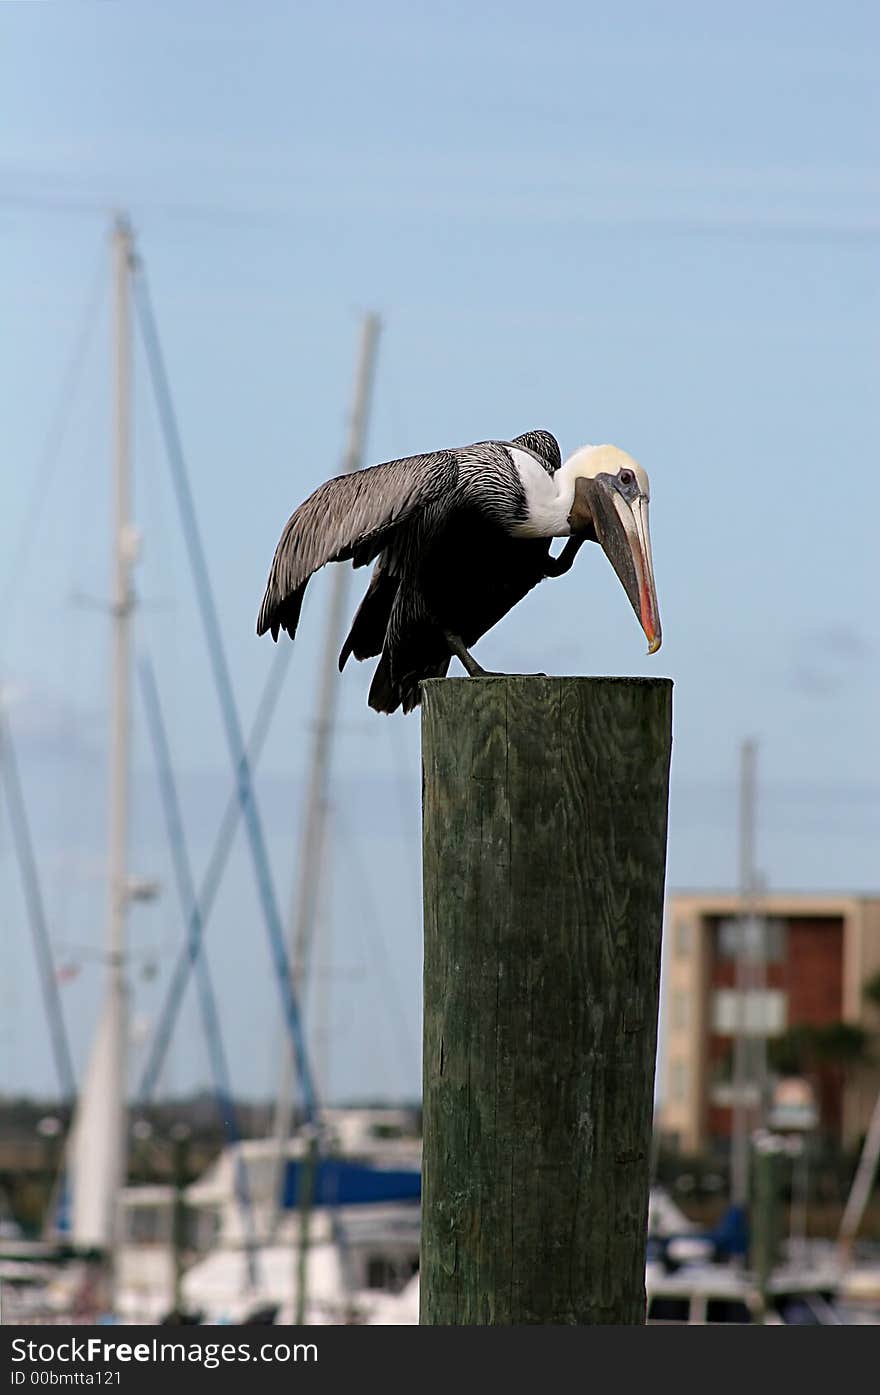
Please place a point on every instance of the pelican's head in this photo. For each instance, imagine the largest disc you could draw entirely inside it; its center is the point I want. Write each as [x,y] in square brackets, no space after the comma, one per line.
[610,506]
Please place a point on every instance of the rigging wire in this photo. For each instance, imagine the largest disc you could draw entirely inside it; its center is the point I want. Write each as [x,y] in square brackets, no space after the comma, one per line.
[207,998]
[408,807]
[223,682]
[36,911]
[369,919]
[50,455]
[212,878]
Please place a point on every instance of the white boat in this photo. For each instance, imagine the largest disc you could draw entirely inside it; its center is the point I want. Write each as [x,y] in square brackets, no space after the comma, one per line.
[361,1239]
[695,1295]
[709,1294]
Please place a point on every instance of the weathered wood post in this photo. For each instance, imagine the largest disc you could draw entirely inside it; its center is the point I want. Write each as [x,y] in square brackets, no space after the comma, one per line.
[545,804]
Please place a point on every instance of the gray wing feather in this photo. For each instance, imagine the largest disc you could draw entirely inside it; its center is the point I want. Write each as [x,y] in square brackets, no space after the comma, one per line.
[350,518]
[544,445]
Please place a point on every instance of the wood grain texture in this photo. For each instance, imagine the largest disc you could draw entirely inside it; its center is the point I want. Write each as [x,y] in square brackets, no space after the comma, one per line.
[544,821]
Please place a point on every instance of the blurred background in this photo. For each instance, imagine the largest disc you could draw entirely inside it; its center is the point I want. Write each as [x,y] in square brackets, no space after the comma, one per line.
[654,225]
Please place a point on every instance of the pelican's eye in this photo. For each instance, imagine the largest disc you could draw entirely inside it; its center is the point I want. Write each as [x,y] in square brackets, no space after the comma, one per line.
[626,478]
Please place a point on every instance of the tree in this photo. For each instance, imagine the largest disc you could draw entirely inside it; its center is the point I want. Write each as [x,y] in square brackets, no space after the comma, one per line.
[807,1048]
[871,990]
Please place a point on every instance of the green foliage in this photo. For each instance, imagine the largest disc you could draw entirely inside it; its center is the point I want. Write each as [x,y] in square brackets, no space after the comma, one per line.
[790,1053]
[842,1044]
[871,990]
[805,1048]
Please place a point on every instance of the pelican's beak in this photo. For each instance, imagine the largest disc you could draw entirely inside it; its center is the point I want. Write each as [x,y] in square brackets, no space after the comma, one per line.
[622,530]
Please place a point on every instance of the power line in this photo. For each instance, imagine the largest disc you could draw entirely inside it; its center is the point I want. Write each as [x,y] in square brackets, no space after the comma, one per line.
[104,207]
[751,227]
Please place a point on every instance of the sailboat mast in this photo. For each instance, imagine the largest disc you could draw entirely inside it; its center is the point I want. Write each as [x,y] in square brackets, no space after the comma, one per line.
[122,606]
[120,721]
[97,1145]
[305,902]
[303,918]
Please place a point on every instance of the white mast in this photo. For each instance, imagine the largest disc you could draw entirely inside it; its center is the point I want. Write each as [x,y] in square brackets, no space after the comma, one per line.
[123,604]
[304,909]
[98,1142]
[303,917]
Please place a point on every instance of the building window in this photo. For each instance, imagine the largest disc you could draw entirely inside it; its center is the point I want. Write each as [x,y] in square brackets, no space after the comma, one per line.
[681,935]
[764,939]
[386,1131]
[148,1225]
[208,1225]
[678,1081]
[680,1010]
[762,1013]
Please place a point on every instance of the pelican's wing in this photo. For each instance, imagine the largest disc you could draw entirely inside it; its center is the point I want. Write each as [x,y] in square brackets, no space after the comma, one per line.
[544,445]
[350,518]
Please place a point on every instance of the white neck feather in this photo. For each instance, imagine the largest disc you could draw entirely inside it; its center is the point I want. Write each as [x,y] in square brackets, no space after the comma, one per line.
[549,497]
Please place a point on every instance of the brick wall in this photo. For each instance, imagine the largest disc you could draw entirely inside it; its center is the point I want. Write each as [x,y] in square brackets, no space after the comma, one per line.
[812,978]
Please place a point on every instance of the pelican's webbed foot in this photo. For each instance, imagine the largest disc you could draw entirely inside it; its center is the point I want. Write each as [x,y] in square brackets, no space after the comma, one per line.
[462,653]
[475,670]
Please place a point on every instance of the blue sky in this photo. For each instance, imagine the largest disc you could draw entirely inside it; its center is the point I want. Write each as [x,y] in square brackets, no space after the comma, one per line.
[649,224]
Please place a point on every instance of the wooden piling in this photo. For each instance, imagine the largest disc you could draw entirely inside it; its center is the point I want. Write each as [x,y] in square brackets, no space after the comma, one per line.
[545,805]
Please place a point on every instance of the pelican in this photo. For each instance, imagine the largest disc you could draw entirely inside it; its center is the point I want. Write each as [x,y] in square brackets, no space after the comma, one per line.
[458,537]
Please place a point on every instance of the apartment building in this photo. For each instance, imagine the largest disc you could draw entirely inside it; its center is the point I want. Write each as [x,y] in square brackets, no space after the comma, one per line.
[808,964]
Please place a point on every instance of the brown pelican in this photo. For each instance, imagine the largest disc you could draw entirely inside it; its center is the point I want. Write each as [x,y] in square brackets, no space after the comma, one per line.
[458,537]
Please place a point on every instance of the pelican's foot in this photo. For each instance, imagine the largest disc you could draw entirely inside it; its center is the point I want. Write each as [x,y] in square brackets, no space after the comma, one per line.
[477,672]
[458,647]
